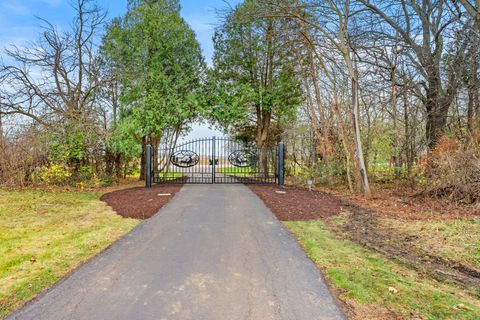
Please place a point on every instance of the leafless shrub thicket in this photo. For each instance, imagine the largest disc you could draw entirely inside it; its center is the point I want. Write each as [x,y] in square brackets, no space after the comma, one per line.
[453,172]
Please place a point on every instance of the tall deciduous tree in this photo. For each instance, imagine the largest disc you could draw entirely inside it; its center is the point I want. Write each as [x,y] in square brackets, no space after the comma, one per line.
[331,20]
[54,83]
[422,26]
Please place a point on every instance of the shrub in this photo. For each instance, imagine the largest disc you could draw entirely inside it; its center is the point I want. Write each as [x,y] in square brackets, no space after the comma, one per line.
[55,174]
[106,182]
[453,173]
[331,173]
[61,175]
[84,174]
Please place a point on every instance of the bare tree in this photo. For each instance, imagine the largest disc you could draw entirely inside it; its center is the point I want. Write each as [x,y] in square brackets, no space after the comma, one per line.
[473,9]
[55,78]
[423,26]
[330,19]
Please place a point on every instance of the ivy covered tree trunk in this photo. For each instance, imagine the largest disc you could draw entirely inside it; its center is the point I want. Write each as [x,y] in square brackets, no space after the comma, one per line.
[436,106]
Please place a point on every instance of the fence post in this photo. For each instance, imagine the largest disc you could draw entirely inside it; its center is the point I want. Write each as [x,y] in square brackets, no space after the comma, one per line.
[148,166]
[214,157]
[281,163]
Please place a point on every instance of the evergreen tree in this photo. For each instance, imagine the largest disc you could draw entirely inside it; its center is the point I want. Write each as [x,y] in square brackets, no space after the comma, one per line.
[159,65]
[253,84]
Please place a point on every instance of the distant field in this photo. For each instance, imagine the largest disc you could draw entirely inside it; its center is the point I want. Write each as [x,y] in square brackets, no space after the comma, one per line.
[170,175]
[238,171]
[44,235]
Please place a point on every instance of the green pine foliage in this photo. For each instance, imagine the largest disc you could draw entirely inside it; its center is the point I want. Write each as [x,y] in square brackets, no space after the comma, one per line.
[252,84]
[158,61]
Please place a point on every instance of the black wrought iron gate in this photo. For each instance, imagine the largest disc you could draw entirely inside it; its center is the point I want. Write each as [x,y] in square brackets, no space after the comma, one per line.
[217,160]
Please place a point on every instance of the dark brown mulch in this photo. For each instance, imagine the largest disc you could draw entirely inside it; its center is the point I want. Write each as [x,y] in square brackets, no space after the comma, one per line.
[297,204]
[139,202]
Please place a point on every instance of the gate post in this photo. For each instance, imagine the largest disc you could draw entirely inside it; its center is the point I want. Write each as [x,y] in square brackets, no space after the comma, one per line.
[281,163]
[214,155]
[148,166]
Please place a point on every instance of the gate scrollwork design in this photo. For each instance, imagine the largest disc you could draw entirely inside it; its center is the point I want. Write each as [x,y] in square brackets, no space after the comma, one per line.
[242,158]
[184,158]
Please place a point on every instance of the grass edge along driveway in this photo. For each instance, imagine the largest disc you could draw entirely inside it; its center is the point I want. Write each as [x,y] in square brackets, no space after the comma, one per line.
[376,288]
[45,235]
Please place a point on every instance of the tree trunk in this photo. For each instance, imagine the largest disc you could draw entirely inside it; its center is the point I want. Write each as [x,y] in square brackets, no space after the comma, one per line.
[324,138]
[470,113]
[343,138]
[409,135]
[263,128]
[435,124]
[397,163]
[143,159]
[118,166]
[358,142]
[109,162]
[155,142]
[437,105]
[473,91]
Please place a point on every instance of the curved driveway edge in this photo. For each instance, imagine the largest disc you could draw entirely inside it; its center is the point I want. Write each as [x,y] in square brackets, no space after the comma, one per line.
[213,252]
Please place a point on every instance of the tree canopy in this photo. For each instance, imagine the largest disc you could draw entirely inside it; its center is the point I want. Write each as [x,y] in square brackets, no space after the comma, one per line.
[155,57]
[252,85]
[360,90]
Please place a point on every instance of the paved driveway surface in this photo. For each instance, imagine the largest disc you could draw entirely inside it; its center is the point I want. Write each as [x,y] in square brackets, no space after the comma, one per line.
[214,252]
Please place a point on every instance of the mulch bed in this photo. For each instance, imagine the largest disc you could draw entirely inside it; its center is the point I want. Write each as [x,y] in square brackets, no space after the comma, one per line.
[139,202]
[291,203]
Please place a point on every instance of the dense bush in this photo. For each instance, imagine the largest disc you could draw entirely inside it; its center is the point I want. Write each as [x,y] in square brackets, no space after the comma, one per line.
[453,172]
[54,174]
[61,175]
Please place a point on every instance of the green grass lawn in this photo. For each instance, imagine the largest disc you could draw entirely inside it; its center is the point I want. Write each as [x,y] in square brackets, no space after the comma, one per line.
[368,281]
[244,172]
[170,175]
[238,171]
[44,235]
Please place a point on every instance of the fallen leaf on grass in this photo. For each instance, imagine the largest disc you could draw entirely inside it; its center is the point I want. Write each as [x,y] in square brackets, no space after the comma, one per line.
[392,290]
[462,306]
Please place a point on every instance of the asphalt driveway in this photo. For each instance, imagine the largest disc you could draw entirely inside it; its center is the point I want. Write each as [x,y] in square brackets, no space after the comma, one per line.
[213,252]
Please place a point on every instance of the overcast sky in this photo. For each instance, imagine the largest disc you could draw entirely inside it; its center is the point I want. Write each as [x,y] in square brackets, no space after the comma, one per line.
[19,24]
